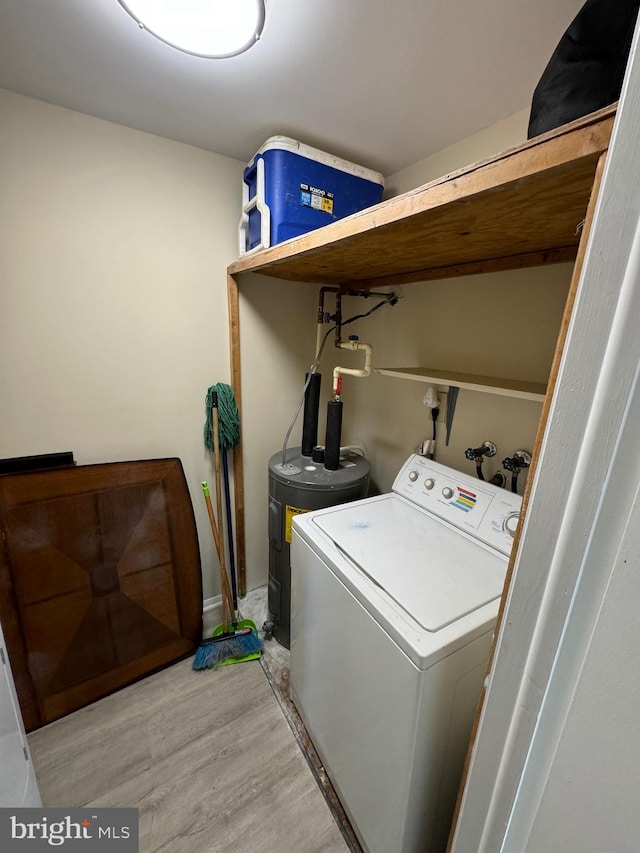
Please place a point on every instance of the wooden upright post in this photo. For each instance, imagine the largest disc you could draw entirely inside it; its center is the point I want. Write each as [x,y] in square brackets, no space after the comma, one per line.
[238,470]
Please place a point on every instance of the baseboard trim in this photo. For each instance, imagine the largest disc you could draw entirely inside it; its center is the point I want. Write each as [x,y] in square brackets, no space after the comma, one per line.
[212,603]
[211,614]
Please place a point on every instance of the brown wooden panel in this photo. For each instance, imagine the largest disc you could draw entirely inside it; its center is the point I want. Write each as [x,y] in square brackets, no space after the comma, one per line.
[100,580]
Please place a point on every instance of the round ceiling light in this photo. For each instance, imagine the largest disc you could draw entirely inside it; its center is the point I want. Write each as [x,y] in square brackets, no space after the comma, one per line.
[209,28]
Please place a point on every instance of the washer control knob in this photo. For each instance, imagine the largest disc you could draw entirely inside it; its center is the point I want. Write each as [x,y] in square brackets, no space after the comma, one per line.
[511,523]
[413,476]
[447,493]
[429,483]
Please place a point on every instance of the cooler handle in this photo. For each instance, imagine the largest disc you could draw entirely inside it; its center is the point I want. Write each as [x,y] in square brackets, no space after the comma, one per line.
[258,201]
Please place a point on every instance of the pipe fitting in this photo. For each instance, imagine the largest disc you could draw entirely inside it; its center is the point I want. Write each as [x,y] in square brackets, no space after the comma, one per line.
[354,346]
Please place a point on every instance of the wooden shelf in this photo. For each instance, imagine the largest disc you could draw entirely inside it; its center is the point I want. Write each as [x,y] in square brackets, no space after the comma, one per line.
[522,208]
[487,384]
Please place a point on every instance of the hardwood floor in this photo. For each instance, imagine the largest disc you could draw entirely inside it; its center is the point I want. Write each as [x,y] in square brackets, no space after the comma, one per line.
[207,757]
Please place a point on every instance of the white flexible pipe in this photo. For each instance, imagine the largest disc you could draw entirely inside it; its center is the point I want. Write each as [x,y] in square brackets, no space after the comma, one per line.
[353,448]
[354,346]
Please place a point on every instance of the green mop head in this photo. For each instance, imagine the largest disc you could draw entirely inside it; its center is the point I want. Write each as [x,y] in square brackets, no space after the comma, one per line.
[229,417]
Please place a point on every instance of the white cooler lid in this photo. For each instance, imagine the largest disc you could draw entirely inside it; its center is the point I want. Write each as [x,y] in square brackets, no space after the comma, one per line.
[293,146]
[435,573]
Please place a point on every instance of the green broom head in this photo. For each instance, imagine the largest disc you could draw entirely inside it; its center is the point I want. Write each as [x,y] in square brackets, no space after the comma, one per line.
[228,417]
[227,647]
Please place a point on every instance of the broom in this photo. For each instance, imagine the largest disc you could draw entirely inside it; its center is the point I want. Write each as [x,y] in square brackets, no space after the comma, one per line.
[235,640]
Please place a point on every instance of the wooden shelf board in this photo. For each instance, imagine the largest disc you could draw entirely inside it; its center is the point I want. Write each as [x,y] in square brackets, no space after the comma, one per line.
[487,384]
[523,207]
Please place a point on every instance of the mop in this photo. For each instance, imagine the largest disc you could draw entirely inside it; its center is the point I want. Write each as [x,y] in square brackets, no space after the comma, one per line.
[234,640]
[229,436]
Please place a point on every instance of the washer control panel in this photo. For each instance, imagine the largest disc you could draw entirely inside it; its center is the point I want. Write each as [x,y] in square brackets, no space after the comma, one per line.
[483,510]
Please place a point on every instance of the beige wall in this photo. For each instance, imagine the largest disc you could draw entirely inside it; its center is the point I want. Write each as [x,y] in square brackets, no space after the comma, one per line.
[113,312]
[501,325]
[496,325]
[504,134]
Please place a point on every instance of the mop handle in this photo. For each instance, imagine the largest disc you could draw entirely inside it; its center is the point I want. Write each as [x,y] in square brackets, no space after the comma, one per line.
[227,500]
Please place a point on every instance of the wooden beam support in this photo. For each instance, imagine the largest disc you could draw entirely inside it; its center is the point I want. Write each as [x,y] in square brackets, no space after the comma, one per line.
[238,468]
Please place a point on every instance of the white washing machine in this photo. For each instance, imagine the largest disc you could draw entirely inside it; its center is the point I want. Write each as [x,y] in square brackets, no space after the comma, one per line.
[394,600]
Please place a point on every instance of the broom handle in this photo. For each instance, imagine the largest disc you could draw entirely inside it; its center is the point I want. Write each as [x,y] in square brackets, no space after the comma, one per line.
[212,518]
[216,456]
[227,609]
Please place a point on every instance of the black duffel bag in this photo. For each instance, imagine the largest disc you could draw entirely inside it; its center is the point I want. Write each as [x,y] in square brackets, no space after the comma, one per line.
[587,68]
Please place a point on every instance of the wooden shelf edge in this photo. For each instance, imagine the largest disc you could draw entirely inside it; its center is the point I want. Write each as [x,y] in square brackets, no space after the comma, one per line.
[486,384]
[563,255]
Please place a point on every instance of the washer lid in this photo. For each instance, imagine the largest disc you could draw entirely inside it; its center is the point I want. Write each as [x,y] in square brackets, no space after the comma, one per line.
[435,573]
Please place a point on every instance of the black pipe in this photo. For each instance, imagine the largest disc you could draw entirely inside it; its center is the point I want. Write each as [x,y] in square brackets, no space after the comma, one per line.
[310,420]
[323,290]
[338,320]
[334,433]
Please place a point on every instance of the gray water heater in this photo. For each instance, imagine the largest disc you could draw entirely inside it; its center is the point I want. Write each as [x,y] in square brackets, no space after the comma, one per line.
[299,486]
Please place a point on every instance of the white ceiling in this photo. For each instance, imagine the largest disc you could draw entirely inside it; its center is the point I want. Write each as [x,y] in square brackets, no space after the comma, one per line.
[381,82]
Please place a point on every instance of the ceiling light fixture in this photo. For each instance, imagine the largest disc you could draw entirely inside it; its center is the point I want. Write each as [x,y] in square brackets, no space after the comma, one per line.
[209,28]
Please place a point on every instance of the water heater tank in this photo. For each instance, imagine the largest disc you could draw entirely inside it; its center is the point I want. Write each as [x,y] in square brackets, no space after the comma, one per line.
[312,487]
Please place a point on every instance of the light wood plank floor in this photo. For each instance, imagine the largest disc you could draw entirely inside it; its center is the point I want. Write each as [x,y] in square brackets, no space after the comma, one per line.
[208,758]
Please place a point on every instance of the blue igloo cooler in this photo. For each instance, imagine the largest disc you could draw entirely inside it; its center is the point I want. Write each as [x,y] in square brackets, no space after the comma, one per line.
[290,188]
